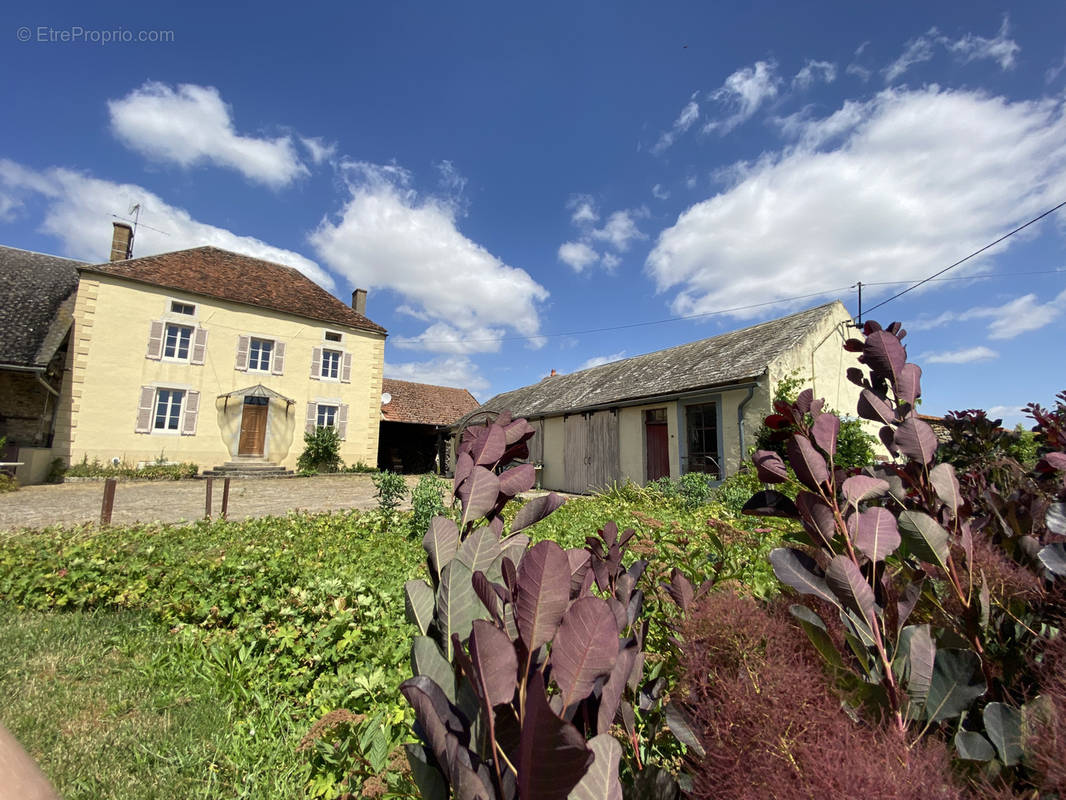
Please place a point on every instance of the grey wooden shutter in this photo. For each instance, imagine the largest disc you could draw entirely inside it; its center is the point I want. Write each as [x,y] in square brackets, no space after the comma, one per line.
[199,346]
[242,353]
[312,418]
[342,422]
[316,363]
[155,341]
[346,371]
[192,411]
[144,410]
[277,367]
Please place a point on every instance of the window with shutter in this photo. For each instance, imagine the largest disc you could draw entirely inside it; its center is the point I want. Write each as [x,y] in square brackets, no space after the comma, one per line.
[199,346]
[155,341]
[346,372]
[192,409]
[316,363]
[312,417]
[342,422]
[242,353]
[144,410]
[259,353]
[279,359]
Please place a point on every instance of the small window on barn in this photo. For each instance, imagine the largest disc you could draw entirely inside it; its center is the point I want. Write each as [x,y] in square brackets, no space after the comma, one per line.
[333,336]
[183,308]
[701,422]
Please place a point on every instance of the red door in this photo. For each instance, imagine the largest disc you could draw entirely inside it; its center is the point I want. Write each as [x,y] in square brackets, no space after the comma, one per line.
[657,444]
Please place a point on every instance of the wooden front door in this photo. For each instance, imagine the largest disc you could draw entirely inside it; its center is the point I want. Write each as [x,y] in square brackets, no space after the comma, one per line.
[590,453]
[253,428]
[656,444]
[575,454]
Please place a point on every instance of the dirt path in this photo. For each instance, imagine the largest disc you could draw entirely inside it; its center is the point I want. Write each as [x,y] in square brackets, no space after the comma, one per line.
[175,501]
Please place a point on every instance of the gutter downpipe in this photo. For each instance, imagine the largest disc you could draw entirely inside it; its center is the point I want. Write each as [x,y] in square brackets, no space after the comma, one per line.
[740,418]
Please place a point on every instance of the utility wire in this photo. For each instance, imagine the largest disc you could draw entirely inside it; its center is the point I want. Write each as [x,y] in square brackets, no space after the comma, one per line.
[968,277]
[964,260]
[701,315]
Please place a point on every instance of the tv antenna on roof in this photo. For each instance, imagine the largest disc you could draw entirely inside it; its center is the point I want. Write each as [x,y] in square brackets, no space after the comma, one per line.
[135,218]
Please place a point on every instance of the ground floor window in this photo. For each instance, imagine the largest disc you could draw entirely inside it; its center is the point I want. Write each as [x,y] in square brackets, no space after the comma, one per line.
[327,416]
[168,409]
[701,426]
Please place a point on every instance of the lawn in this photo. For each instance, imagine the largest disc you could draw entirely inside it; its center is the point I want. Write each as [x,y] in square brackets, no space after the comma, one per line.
[194,661]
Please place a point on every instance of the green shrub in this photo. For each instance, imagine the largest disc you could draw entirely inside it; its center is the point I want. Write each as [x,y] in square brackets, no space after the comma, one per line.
[427,502]
[391,490]
[359,468]
[322,448]
[157,471]
[8,483]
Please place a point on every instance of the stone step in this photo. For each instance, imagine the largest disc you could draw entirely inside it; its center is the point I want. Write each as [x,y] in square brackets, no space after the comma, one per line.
[248,469]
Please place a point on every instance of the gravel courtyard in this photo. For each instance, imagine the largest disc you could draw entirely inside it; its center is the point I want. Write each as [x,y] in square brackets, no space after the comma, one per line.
[175,501]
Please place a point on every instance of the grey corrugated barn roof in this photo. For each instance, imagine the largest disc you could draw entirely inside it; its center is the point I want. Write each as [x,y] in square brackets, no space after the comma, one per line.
[721,360]
[36,305]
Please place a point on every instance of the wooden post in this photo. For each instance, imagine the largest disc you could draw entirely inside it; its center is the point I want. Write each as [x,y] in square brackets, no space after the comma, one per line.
[225,498]
[109,501]
[207,509]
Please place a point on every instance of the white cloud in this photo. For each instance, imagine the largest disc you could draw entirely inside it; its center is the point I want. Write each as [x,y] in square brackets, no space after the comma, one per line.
[967,356]
[1001,49]
[458,371]
[610,261]
[813,71]
[578,255]
[440,337]
[916,51]
[584,210]
[745,91]
[858,71]
[79,210]
[660,193]
[389,236]
[319,149]
[897,195]
[689,114]
[1011,415]
[598,361]
[619,230]
[1054,71]
[192,125]
[1008,320]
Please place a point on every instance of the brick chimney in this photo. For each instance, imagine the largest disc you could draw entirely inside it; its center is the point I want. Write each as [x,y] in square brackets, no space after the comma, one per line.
[121,241]
[359,301]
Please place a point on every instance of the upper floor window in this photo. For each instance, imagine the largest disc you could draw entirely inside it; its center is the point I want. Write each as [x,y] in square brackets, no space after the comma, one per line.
[259,352]
[176,342]
[182,308]
[331,364]
[333,336]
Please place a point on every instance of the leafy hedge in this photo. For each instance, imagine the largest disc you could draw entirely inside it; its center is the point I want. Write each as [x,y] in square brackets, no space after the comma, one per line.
[149,472]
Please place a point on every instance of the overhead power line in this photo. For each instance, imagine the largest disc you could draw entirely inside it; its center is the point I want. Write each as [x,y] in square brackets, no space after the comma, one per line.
[964,260]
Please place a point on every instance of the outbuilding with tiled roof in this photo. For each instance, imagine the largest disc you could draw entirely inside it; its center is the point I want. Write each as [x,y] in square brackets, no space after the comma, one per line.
[415,422]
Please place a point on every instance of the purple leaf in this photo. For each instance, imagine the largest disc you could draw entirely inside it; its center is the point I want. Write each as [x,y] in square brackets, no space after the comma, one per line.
[824,432]
[489,594]
[601,781]
[437,717]
[884,354]
[495,660]
[579,565]
[870,326]
[909,384]
[479,549]
[807,462]
[543,593]
[872,407]
[798,570]
[464,465]
[517,479]
[1052,462]
[613,688]
[489,446]
[862,487]
[888,439]
[856,376]
[478,494]
[769,466]
[584,648]
[853,345]
[440,542]
[552,755]
[817,516]
[803,402]
[516,431]
[680,589]
[847,582]
[769,503]
[916,440]
[875,533]
[946,486]
[926,538]
[921,655]
[536,510]
[908,600]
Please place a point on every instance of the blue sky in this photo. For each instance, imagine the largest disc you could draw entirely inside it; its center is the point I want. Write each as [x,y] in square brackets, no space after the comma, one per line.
[514,183]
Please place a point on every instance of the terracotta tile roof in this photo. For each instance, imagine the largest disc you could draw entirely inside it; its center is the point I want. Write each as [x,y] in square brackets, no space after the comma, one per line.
[213,272]
[36,305]
[728,358]
[425,404]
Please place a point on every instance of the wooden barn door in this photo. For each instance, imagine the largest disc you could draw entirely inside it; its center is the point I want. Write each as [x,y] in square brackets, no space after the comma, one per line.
[575,454]
[602,450]
[590,453]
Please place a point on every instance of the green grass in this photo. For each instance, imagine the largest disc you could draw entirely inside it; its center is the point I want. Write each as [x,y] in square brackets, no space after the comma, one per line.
[192,661]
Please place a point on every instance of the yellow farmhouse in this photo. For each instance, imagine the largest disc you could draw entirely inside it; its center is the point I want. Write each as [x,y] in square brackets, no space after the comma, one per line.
[208,356]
